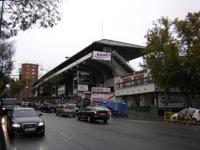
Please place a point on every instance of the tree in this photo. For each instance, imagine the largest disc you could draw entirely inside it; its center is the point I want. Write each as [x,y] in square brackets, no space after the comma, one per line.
[23,14]
[4,80]
[173,54]
[7,51]
[16,87]
[188,36]
[19,15]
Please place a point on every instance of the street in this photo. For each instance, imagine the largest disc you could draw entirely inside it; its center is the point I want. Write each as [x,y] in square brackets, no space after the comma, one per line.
[65,133]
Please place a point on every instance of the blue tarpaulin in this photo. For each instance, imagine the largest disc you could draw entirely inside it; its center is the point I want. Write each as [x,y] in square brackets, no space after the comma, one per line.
[118,108]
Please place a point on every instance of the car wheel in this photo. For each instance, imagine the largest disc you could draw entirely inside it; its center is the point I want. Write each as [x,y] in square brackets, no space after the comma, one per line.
[11,134]
[43,133]
[174,119]
[79,117]
[194,121]
[74,116]
[105,121]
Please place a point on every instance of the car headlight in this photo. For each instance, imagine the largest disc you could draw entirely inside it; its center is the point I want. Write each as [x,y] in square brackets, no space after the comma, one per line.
[16,125]
[41,124]
[4,108]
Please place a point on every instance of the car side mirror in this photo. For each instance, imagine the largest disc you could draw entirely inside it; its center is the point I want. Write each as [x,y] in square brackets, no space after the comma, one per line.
[40,115]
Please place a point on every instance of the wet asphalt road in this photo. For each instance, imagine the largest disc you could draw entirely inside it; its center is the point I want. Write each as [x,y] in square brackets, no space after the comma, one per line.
[63,133]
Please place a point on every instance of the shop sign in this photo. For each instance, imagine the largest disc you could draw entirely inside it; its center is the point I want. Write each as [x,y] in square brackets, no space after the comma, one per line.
[134,77]
[101,55]
[100,90]
[61,90]
[83,87]
[129,78]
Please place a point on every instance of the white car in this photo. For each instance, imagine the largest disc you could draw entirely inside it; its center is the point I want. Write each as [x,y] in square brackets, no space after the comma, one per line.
[192,114]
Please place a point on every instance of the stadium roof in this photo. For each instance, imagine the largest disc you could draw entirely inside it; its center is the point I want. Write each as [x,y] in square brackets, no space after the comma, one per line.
[127,50]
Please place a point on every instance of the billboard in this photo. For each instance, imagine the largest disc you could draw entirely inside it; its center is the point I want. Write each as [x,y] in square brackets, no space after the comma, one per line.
[101,55]
[82,87]
[174,101]
[84,77]
[61,90]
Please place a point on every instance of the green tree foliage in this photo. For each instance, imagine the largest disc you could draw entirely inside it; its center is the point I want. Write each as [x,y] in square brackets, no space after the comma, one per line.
[7,50]
[4,80]
[188,36]
[173,53]
[16,87]
[162,51]
[23,14]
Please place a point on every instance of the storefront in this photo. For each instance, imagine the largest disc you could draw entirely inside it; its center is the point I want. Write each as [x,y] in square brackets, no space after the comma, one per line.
[141,94]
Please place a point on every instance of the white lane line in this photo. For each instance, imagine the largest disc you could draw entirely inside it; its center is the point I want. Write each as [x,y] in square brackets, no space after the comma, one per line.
[65,136]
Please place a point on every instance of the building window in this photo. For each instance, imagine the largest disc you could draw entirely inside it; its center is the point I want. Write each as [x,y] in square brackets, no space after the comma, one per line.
[133,83]
[128,84]
[117,86]
[147,80]
[140,81]
[27,77]
[121,85]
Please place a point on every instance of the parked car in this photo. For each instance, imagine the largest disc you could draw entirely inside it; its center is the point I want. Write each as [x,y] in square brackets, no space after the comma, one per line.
[7,105]
[191,114]
[93,113]
[51,108]
[25,120]
[66,110]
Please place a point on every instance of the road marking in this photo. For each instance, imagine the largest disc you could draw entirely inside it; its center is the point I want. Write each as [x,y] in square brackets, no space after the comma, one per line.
[66,136]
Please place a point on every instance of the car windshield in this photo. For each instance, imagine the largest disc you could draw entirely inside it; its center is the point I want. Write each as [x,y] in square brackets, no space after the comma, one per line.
[8,102]
[24,113]
[100,108]
[70,106]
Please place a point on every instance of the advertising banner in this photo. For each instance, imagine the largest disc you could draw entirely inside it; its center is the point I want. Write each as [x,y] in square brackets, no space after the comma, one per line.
[101,55]
[61,90]
[100,90]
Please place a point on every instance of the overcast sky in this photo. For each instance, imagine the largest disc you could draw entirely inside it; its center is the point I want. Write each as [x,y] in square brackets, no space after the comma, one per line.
[86,21]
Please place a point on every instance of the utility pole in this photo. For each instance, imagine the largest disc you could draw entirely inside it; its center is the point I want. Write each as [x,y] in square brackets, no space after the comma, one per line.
[2,137]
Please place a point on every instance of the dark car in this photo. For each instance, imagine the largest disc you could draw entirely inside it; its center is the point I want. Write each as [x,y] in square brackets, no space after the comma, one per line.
[25,120]
[93,113]
[7,104]
[51,108]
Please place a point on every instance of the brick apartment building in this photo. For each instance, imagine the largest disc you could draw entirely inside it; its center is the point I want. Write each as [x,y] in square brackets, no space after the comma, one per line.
[29,74]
